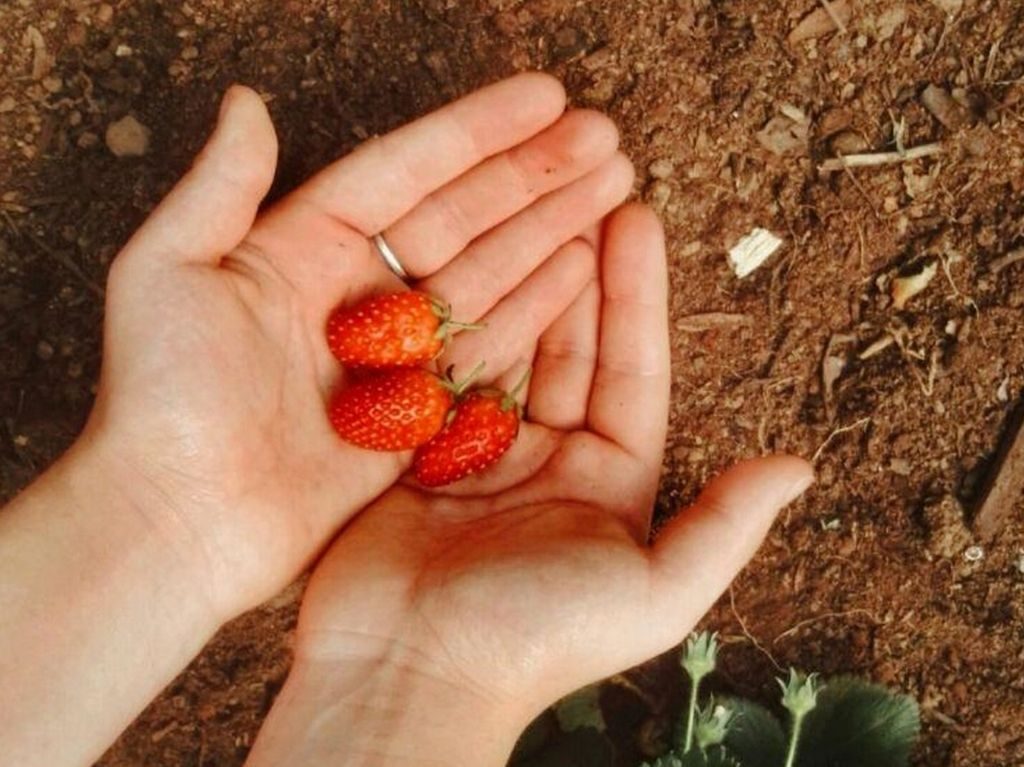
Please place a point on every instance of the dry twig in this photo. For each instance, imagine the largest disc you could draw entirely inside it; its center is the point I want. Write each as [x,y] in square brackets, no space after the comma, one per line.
[836,18]
[698,323]
[881,158]
[746,632]
[1011,258]
[797,626]
[60,258]
[1005,487]
[835,433]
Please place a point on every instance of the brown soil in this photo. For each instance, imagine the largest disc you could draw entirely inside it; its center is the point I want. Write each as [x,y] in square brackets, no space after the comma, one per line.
[868,575]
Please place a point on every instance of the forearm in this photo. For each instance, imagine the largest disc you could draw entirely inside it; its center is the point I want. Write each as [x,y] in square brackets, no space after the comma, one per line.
[390,718]
[98,614]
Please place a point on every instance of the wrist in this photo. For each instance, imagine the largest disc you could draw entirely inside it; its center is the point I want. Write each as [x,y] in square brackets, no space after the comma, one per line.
[126,519]
[98,612]
[384,715]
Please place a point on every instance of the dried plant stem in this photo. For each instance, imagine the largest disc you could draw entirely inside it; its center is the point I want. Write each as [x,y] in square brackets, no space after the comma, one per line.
[881,158]
[836,18]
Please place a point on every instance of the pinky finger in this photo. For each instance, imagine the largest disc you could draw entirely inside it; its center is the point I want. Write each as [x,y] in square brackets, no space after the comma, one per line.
[511,328]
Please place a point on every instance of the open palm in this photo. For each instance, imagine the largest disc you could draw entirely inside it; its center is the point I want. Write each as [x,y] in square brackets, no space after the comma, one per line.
[216,368]
[534,577]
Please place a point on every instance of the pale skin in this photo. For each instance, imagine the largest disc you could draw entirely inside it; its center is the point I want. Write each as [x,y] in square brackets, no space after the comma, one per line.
[208,477]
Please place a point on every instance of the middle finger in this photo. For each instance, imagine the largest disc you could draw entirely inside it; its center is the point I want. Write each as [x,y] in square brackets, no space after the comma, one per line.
[444,223]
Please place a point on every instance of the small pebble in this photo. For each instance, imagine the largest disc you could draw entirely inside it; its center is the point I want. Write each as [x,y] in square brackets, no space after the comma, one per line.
[659,193]
[44,350]
[88,140]
[128,138]
[7,104]
[848,142]
[661,168]
[974,553]
[77,35]
[566,37]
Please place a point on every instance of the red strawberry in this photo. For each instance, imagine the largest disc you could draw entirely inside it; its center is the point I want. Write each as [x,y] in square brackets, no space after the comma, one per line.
[395,409]
[484,426]
[394,330]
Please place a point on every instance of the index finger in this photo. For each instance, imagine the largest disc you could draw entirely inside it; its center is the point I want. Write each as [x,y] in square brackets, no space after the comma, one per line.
[386,177]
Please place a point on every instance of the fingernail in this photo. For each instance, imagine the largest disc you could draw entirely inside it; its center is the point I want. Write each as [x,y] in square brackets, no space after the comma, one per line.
[800,487]
[225,104]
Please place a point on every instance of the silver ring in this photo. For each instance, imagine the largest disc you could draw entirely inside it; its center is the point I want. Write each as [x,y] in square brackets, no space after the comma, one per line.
[389,257]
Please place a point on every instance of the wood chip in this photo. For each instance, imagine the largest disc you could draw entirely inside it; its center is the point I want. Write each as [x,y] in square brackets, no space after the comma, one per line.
[698,323]
[1011,258]
[782,136]
[752,251]
[822,21]
[944,108]
[832,366]
[1004,492]
[877,347]
[42,61]
[905,288]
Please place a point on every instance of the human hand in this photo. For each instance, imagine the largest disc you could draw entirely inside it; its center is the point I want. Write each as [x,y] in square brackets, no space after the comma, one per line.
[210,412]
[440,622]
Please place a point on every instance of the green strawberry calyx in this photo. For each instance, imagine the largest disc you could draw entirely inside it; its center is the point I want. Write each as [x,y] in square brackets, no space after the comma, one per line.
[447,327]
[509,399]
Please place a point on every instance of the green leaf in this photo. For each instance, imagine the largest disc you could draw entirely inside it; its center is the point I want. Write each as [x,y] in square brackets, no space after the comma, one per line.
[713,757]
[755,736]
[581,709]
[859,724]
[582,748]
[535,737]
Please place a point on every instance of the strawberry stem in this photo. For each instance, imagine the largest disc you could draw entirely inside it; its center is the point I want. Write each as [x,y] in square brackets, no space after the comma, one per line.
[465,325]
[459,388]
[441,309]
[511,399]
[447,327]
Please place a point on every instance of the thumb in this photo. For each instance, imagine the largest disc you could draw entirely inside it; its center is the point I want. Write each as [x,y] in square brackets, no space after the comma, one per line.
[212,208]
[698,554]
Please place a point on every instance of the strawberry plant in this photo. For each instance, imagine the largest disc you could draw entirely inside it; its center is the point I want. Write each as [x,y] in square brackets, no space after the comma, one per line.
[846,722]
[843,722]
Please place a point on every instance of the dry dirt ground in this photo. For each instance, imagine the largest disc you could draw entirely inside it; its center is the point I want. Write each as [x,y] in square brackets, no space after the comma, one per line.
[728,121]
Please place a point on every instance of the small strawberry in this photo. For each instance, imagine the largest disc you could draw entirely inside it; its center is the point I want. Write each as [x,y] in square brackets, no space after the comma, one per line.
[395,409]
[394,330]
[484,425]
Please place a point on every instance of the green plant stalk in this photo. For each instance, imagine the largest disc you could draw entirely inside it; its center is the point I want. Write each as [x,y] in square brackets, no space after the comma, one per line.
[794,738]
[691,716]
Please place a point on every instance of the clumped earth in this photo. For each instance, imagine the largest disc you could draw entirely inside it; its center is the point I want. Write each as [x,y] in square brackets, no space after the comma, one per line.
[728,118]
